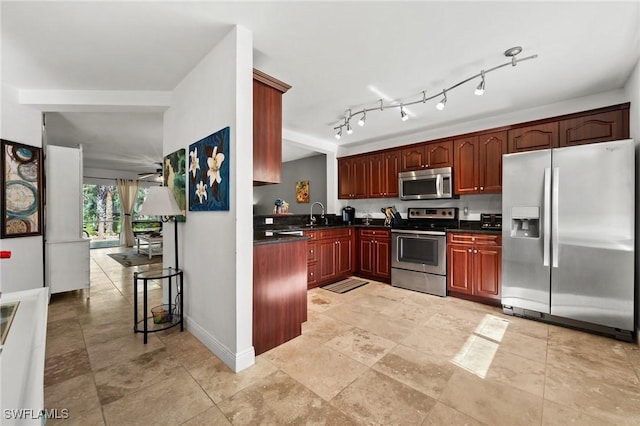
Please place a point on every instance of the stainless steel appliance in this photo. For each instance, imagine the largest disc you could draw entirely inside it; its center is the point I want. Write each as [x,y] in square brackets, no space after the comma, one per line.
[568,236]
[419,250]
[426,184]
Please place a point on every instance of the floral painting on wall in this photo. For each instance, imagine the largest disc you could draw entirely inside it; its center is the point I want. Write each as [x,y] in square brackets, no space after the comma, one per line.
[175,177]
[208,172]
[302,191]
[21,190]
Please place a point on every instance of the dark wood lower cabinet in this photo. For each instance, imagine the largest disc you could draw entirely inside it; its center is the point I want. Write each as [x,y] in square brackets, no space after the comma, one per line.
[330,256]
[374,254]
[279,293]
[474,266]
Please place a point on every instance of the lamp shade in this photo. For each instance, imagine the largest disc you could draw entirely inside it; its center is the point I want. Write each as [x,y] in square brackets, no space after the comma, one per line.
[160,202]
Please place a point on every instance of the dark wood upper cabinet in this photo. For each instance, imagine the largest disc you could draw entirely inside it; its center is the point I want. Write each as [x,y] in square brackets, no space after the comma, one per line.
[427,156]
[267,128]
[491,147]
[478,163]
[606,126]
[530,138]
[352,177]
[465,165]
[382,174]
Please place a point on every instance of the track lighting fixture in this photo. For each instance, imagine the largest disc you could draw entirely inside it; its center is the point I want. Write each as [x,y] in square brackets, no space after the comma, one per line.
[403,115]
[443,101]
[401,103]
[362,119]
[480,89]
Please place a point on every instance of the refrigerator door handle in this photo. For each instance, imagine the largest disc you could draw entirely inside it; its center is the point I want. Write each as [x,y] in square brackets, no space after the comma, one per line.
[546,216]
[554,217]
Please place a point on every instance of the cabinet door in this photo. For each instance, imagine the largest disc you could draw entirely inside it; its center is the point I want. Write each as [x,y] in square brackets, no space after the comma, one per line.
[327,259]
[391,170]
[530,138]
[345,165]
[267,133]
[365,265]
[359,177]
[376,176]
[487,262]
[412,158]
[606,126]
[383,258]
[459,276]
[344,256]
[491,147]
[312,275]
[439,154]
[465,168]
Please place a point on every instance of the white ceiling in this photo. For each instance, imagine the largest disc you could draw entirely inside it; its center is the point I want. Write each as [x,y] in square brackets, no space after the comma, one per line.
[336,55]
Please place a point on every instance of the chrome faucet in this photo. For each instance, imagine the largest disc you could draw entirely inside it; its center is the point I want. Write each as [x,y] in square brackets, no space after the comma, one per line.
[312,220]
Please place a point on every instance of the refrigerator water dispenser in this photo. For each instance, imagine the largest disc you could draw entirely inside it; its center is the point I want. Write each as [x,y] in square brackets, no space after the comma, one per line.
[525,222]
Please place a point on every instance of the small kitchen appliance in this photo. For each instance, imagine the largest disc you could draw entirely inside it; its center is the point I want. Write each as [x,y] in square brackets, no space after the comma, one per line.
[426,184]
[348,215]
[419,249]
[491,221]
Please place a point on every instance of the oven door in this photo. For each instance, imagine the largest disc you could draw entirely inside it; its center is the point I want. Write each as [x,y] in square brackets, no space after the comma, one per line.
[421,251]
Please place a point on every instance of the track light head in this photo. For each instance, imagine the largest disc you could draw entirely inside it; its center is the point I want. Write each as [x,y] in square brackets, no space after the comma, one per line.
[362,119]
[339,134]
[403,115]
[480,89]
[442,102]
[349,129]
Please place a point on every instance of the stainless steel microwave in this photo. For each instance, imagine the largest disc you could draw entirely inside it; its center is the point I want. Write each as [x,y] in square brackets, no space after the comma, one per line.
[427,184]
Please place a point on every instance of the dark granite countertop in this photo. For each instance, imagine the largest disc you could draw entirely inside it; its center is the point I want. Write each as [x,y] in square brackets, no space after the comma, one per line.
[474,227]
[266,237]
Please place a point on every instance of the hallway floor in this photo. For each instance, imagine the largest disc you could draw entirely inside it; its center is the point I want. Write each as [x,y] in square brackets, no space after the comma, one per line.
[375,355]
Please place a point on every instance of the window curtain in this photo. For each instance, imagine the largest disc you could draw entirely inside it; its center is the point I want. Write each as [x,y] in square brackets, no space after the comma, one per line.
[128,190]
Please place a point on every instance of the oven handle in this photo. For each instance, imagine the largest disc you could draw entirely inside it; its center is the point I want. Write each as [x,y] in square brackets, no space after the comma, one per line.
[417,232]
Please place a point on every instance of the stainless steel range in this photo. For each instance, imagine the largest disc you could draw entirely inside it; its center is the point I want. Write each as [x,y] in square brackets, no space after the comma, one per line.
[419,250]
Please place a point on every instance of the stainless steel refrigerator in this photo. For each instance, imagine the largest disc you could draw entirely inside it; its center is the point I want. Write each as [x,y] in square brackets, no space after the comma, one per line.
[568,236]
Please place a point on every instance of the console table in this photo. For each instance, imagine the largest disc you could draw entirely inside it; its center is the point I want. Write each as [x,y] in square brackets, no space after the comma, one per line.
[147,244]
[174,309]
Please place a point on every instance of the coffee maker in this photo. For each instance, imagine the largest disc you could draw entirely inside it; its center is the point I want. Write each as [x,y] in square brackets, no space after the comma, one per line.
[348,215]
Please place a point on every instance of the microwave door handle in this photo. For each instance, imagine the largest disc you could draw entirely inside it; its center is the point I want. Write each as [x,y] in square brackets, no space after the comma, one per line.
[439,185]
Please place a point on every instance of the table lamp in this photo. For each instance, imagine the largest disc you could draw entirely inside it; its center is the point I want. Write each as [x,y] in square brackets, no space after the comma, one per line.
[161,202]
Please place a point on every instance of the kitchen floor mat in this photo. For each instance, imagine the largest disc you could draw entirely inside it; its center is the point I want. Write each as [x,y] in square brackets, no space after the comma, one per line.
[345,285]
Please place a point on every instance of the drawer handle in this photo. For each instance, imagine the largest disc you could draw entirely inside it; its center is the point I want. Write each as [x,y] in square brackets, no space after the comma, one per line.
[469,250]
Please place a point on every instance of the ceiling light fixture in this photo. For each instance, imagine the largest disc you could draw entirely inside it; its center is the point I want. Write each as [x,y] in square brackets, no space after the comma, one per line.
[362,119]
[403,115]
[480,89]
[510,53]
[443,101]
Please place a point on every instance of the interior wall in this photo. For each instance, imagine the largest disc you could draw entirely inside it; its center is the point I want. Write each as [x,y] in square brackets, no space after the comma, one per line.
[24,270]
[216,248]
[312,169]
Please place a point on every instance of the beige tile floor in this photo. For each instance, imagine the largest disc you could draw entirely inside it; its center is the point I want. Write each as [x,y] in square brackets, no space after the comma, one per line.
[375,355]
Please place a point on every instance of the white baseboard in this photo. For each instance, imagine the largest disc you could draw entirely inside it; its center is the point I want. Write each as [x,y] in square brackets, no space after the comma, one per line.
[237,362]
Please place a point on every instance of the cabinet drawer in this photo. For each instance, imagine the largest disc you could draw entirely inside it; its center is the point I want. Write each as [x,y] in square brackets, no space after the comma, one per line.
[312,251]
[312,274]
[313,235]
[375,233]
[470,239]
[334,233]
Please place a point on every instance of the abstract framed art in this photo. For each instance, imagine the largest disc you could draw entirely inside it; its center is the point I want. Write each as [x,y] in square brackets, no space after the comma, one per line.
[21,190]
[208,172]
[175,177]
